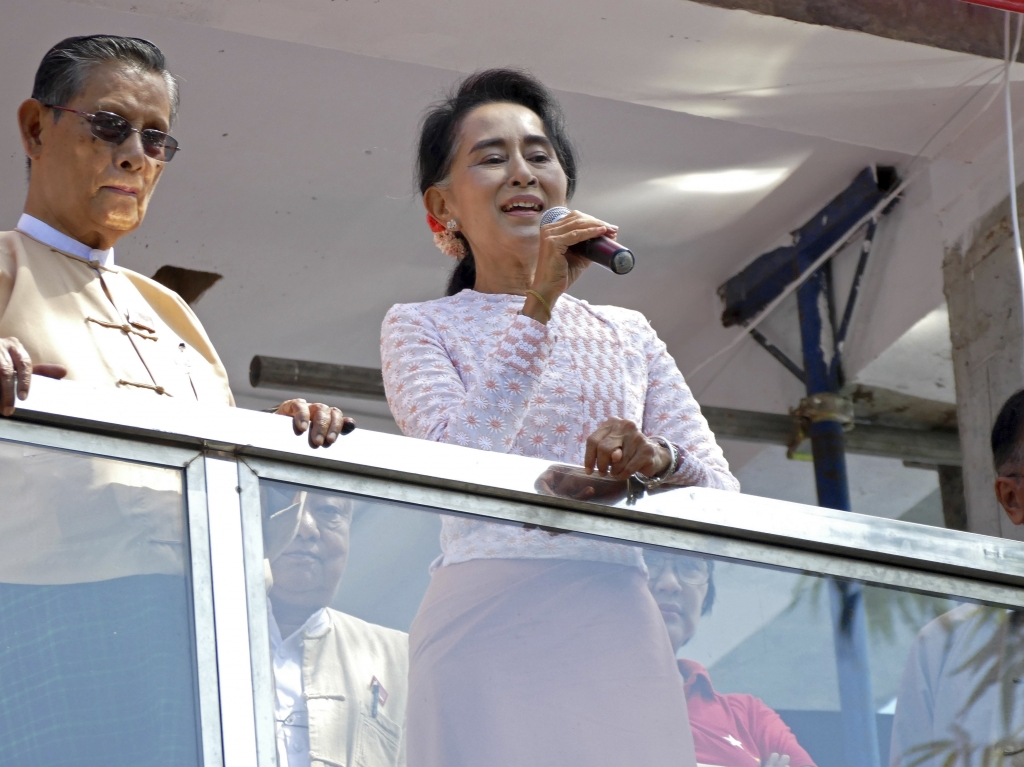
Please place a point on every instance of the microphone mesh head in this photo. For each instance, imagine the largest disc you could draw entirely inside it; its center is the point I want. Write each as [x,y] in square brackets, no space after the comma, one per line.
[551,215]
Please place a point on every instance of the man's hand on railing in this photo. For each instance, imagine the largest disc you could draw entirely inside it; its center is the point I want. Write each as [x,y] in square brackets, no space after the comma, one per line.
[324,422]
[16,371]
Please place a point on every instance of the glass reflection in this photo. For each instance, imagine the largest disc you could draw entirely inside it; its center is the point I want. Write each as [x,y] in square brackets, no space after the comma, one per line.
[96,646]
[754,646]
[960,699]
[574,483]
[340,682]
[732,730]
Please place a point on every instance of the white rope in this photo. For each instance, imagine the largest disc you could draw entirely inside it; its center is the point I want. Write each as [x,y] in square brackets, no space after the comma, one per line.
[1011,165]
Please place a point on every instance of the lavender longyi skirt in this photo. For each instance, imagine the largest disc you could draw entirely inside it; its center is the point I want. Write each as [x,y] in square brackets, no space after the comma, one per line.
[532,662]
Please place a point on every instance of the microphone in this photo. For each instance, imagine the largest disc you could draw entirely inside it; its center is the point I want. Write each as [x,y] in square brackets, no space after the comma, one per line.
[601,250]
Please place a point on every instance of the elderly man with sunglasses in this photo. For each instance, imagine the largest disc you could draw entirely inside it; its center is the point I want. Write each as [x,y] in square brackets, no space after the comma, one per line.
[95,133]
[95,654]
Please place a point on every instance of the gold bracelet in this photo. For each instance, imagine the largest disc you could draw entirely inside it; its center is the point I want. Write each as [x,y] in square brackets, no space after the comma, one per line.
[543,303]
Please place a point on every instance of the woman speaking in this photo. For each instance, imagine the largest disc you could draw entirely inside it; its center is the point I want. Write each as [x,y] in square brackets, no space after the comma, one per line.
[532,648]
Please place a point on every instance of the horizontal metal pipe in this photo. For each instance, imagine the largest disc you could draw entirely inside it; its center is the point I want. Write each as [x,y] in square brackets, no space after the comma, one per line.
[281,373]
[930,446]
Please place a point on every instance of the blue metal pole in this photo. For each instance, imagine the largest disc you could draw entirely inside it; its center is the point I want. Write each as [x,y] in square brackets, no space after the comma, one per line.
[850,638]
[849,626]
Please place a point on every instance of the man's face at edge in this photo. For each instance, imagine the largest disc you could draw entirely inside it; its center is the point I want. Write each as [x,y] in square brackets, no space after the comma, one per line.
[1009,489]
[92,190]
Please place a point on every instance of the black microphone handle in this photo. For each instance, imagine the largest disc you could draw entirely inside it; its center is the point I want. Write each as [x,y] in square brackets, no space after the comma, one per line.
[606,252]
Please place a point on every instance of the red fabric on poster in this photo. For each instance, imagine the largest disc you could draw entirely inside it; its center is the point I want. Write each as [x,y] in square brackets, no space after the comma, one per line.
[735,730]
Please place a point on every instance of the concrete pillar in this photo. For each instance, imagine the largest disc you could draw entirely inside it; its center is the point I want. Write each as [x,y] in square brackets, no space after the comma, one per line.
[954,504]
[984,294]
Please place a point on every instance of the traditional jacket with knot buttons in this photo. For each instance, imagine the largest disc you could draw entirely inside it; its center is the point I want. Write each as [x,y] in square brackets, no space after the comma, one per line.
[340,666]
[107,326]
[110,327]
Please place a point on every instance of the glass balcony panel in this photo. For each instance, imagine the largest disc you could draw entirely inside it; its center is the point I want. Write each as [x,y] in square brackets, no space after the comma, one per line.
[96,640]
[774,661]
[854,637]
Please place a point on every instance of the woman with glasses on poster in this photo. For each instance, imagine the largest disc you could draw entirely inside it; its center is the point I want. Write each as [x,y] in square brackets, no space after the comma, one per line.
[733,729]
[532,648]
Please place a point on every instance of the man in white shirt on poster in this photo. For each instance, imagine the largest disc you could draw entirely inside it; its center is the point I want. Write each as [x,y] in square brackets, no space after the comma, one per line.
[961,699]
[340,682]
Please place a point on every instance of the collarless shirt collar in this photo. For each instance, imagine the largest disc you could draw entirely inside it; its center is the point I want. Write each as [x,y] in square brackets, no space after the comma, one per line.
[47,235]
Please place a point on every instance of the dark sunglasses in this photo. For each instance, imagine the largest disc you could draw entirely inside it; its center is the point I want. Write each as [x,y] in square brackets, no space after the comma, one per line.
[113,128]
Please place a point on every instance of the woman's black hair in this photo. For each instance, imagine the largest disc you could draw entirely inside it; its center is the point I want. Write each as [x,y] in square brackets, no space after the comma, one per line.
[439,132]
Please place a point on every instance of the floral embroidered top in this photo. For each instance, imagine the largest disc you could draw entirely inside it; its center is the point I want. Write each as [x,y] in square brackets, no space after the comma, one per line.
[469,369]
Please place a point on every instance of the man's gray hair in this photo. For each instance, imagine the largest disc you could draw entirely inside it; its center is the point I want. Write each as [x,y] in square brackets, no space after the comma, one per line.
[66,66]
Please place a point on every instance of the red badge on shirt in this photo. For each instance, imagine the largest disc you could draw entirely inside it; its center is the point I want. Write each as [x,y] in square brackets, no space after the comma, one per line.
[382,694]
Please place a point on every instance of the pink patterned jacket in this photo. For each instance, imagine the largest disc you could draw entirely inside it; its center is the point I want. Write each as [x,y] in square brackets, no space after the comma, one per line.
[470,370]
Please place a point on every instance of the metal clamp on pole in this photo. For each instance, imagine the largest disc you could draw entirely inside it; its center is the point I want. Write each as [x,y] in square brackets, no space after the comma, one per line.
[826,406]
[823,407]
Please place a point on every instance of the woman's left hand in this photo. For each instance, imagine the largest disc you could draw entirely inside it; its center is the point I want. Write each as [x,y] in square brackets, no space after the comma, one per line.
[324,422]
[620,449]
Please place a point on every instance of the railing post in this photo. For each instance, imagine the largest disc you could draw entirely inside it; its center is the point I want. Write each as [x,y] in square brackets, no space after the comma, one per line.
[230,613]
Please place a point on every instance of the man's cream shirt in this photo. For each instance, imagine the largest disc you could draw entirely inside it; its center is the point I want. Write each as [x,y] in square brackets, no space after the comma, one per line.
[68,518]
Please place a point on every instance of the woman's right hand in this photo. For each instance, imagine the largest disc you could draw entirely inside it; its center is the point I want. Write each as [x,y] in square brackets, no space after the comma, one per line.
[557,268]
